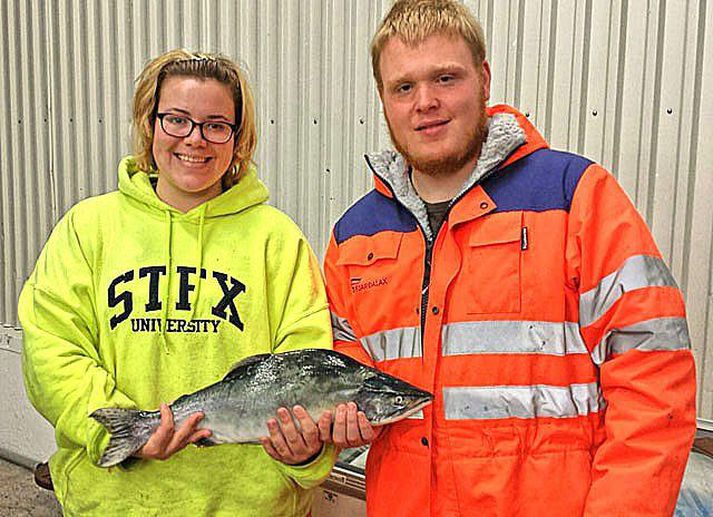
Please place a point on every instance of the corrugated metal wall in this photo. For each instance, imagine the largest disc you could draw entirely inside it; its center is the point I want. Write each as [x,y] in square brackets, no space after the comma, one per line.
[626,82]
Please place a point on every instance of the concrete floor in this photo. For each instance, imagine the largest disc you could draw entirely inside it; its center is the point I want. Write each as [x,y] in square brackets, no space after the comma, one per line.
[19,496]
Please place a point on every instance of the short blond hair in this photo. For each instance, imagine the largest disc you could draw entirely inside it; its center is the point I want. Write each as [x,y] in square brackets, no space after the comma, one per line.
[415,20]
[183,63]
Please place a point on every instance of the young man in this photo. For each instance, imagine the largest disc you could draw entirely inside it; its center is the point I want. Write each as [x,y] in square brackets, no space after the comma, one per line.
[516,283]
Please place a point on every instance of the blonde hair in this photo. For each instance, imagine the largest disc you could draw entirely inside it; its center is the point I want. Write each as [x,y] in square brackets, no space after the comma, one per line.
[415,20]
[183,63]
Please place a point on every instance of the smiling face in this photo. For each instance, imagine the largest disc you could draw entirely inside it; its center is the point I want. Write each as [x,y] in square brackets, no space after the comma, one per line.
[190,168]
[434,99]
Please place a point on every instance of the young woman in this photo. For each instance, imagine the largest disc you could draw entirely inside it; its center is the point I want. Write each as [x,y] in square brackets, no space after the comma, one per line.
[156,290]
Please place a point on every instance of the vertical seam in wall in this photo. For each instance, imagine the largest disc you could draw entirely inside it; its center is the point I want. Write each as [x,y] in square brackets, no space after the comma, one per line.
[695,127]
[679,129]
[660,37]
[301,125]
[602,158]
[570,93]
[706,328]
[50,45]
[517,87]
[278,115]
[16,84]
[351,75]
[6,142]
[540,56]
[640,150]
[551,68]
[489,35]
[621,69]
[584,87]
[324,134]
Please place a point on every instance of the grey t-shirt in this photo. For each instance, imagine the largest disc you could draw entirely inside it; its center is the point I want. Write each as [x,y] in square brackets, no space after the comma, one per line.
[436,214]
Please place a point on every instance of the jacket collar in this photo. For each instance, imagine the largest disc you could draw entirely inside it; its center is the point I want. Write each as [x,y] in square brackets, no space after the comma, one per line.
[510,137]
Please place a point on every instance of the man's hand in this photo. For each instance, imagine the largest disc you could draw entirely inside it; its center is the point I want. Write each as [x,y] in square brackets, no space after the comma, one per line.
[351,428]
[166,441]
[288,444]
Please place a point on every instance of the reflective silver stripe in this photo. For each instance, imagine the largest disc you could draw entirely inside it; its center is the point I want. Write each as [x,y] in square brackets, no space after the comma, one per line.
[485,403]
[648,336]
[341,328]
[512,337]
[393,344]
[636,272]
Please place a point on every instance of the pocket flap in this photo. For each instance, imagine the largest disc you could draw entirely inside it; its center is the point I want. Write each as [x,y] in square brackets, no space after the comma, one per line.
[363,251]
[497,229]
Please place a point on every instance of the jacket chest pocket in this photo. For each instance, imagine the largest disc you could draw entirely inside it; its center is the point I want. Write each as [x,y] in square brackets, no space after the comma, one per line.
[493,264]
[373,268]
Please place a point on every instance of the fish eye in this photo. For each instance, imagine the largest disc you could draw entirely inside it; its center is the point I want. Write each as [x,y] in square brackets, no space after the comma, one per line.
[399,399]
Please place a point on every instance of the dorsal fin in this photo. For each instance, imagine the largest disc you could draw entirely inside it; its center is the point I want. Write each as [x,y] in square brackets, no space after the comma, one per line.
[246,362]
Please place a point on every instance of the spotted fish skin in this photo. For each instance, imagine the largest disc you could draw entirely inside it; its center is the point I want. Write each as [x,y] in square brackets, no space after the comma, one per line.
[237,407]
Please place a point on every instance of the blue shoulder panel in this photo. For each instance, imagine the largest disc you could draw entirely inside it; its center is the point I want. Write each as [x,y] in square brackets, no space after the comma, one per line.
[372,214]
[544,180]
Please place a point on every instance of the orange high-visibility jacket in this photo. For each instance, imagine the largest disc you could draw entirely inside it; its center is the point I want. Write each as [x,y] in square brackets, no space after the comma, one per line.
[544,321]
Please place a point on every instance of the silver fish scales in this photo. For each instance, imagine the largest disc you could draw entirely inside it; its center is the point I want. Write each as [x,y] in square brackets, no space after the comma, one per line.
[237,407]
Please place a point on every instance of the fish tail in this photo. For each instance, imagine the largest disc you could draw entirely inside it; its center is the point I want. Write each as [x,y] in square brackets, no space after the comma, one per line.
[129,429]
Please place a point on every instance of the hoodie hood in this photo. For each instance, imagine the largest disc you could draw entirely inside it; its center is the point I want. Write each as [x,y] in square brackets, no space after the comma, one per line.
[510,137]
[136,184]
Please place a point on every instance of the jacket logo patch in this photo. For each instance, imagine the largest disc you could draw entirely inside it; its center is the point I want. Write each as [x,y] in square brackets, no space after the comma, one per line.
[359,285]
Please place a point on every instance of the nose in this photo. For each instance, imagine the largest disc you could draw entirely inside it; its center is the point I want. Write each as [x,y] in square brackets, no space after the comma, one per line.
[426,98]
[194,137]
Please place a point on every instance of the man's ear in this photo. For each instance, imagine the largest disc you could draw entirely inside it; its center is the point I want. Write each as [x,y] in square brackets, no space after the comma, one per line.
[486,80]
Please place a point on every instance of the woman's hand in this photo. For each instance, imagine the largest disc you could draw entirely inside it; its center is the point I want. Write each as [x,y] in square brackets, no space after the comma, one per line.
[288,444]
[351,428]
[166,441]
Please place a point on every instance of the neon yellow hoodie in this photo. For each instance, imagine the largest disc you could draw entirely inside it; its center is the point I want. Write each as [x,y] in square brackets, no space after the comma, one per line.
[132,303]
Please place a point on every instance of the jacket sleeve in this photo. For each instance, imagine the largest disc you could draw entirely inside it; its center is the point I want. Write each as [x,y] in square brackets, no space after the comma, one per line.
[632,317]
[63,372]
[343,321]
[302,321]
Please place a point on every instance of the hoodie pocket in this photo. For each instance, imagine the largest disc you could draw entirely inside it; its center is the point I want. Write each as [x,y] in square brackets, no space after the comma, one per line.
[493,264]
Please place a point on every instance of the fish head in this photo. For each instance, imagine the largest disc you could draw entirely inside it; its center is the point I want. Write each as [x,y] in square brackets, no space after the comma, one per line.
[385,399]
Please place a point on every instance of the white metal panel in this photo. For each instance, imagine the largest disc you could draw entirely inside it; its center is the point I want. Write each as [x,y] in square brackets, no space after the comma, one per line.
[627,83]
[24,435]
[699,259]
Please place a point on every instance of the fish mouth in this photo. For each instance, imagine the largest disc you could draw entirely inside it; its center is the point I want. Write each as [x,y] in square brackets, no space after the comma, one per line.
[415,408]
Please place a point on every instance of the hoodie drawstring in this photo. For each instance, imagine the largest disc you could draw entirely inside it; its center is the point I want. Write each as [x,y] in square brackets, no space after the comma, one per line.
[201,224]
[167,283]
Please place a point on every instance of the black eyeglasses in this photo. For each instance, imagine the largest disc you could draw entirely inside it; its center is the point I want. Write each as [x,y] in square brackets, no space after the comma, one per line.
[181,126]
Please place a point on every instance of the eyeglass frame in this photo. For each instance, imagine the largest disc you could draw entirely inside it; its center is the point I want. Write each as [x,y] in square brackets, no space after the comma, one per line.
[234,127]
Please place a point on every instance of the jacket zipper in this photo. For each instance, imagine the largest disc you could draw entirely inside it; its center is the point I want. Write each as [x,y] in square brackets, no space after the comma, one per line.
[425,282]
[428,255]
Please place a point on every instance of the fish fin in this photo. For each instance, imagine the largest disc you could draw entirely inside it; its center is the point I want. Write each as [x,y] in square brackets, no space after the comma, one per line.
[129,430]
[246,362]
[205,442]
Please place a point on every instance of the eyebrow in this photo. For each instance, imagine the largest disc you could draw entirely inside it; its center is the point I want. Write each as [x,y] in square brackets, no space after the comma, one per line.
[451,68]
[209,117]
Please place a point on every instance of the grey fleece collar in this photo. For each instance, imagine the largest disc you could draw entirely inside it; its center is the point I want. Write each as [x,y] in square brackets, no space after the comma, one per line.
[504,136]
